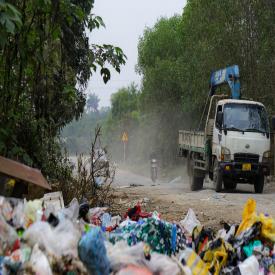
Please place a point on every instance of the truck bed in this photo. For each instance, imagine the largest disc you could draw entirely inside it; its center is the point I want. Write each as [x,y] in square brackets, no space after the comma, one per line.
[191,141]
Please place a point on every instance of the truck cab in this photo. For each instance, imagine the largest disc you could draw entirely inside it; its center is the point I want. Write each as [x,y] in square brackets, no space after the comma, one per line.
[234,146]
[240,144]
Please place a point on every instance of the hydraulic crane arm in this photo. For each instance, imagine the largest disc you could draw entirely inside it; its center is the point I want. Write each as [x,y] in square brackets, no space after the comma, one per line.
[231,76]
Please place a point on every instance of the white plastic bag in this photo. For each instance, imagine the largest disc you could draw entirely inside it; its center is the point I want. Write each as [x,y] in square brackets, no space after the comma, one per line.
[8,236]
[121,255]
[190,221]
[60,240]
[71,212]
[162,264]
[39,262]
[250,266]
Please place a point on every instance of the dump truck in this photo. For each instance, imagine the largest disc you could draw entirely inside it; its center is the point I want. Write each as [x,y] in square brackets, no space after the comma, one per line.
[234,146]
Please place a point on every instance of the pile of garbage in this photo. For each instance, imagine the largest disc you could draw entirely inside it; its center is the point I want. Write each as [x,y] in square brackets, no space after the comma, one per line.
[39,238]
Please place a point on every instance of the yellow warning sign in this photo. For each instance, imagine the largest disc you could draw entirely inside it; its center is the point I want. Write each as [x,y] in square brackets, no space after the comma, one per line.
[124,137]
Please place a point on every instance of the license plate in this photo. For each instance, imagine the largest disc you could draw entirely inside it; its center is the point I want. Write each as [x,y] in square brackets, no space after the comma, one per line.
[246,167]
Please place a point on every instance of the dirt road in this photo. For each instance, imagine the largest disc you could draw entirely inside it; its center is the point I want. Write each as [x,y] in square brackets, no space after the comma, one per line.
[173,198]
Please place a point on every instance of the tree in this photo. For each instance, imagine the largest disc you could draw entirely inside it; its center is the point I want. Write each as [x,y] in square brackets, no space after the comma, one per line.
[10,20]
[177,55]
[92,103]
[45,66]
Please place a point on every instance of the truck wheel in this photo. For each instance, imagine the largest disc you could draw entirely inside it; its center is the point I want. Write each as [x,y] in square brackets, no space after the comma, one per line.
[229,184]
[217,177]
[259,184]
[196,179]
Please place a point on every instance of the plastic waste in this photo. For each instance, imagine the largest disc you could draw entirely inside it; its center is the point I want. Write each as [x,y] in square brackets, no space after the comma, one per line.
[106,220]
[71,212]
[249,266]
[33,212]
[92,252]
[8,236]
[94,215]
[14,262]
[189,258]
[115,220]
[253,247]
[60,240]
[18,217]
[250,217]
[39,262]
[190,221]
[84,210]
[127,222]
[134,270]
[99,181]
[121,254]
[162,264]
[136,213]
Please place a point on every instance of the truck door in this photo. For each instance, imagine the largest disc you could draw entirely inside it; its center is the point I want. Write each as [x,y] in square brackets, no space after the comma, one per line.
[217,132]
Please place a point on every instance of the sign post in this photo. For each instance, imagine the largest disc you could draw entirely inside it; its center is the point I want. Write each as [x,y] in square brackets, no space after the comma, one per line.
[124,139]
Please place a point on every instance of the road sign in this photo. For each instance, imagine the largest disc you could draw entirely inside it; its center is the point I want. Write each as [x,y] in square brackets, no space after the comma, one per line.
[124,137]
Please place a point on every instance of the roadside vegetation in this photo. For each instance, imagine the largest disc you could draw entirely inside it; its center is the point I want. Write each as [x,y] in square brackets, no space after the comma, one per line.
[175,59]
[46,60]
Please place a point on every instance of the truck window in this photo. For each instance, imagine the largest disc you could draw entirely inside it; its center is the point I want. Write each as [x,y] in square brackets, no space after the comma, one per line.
[245,117]
[219,109]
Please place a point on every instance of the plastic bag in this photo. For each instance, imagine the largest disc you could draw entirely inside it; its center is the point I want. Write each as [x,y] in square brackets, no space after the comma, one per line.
[189,258]
[253,247]
[106,220]
[134,270]
[162,264]
[92,252]
[18,218]
[249,266]
[121,254]
[13,211]
[94,215]
[39,262]
[190,221]
[33,212]
[71,212]
[250,217]
[126,222]
[8,236]
[60,240]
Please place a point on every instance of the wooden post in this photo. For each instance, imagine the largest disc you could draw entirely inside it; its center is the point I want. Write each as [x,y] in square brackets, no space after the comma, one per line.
[124,151]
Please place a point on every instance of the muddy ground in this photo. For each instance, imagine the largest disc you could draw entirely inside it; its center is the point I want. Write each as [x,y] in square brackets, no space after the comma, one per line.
[172,198]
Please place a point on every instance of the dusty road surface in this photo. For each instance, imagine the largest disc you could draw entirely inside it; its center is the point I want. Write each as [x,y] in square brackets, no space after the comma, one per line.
[173,198]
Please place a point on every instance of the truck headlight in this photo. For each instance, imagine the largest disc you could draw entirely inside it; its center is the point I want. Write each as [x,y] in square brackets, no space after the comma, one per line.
[266,156]
[225,154]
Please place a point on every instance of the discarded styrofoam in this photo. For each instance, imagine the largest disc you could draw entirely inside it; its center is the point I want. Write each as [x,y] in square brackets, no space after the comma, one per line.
[55,199]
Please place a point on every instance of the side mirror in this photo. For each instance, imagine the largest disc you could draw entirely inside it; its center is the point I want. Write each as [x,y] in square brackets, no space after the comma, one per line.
[273,123]
[219,119]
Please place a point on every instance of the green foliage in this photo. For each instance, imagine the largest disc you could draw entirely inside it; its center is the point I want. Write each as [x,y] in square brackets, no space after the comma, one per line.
[10,20]
[77,135]
[124,117]
[92,103]
[176,58]
[45,63]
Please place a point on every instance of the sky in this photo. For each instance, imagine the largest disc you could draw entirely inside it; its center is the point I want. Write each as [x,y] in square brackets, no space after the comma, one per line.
[125,22]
